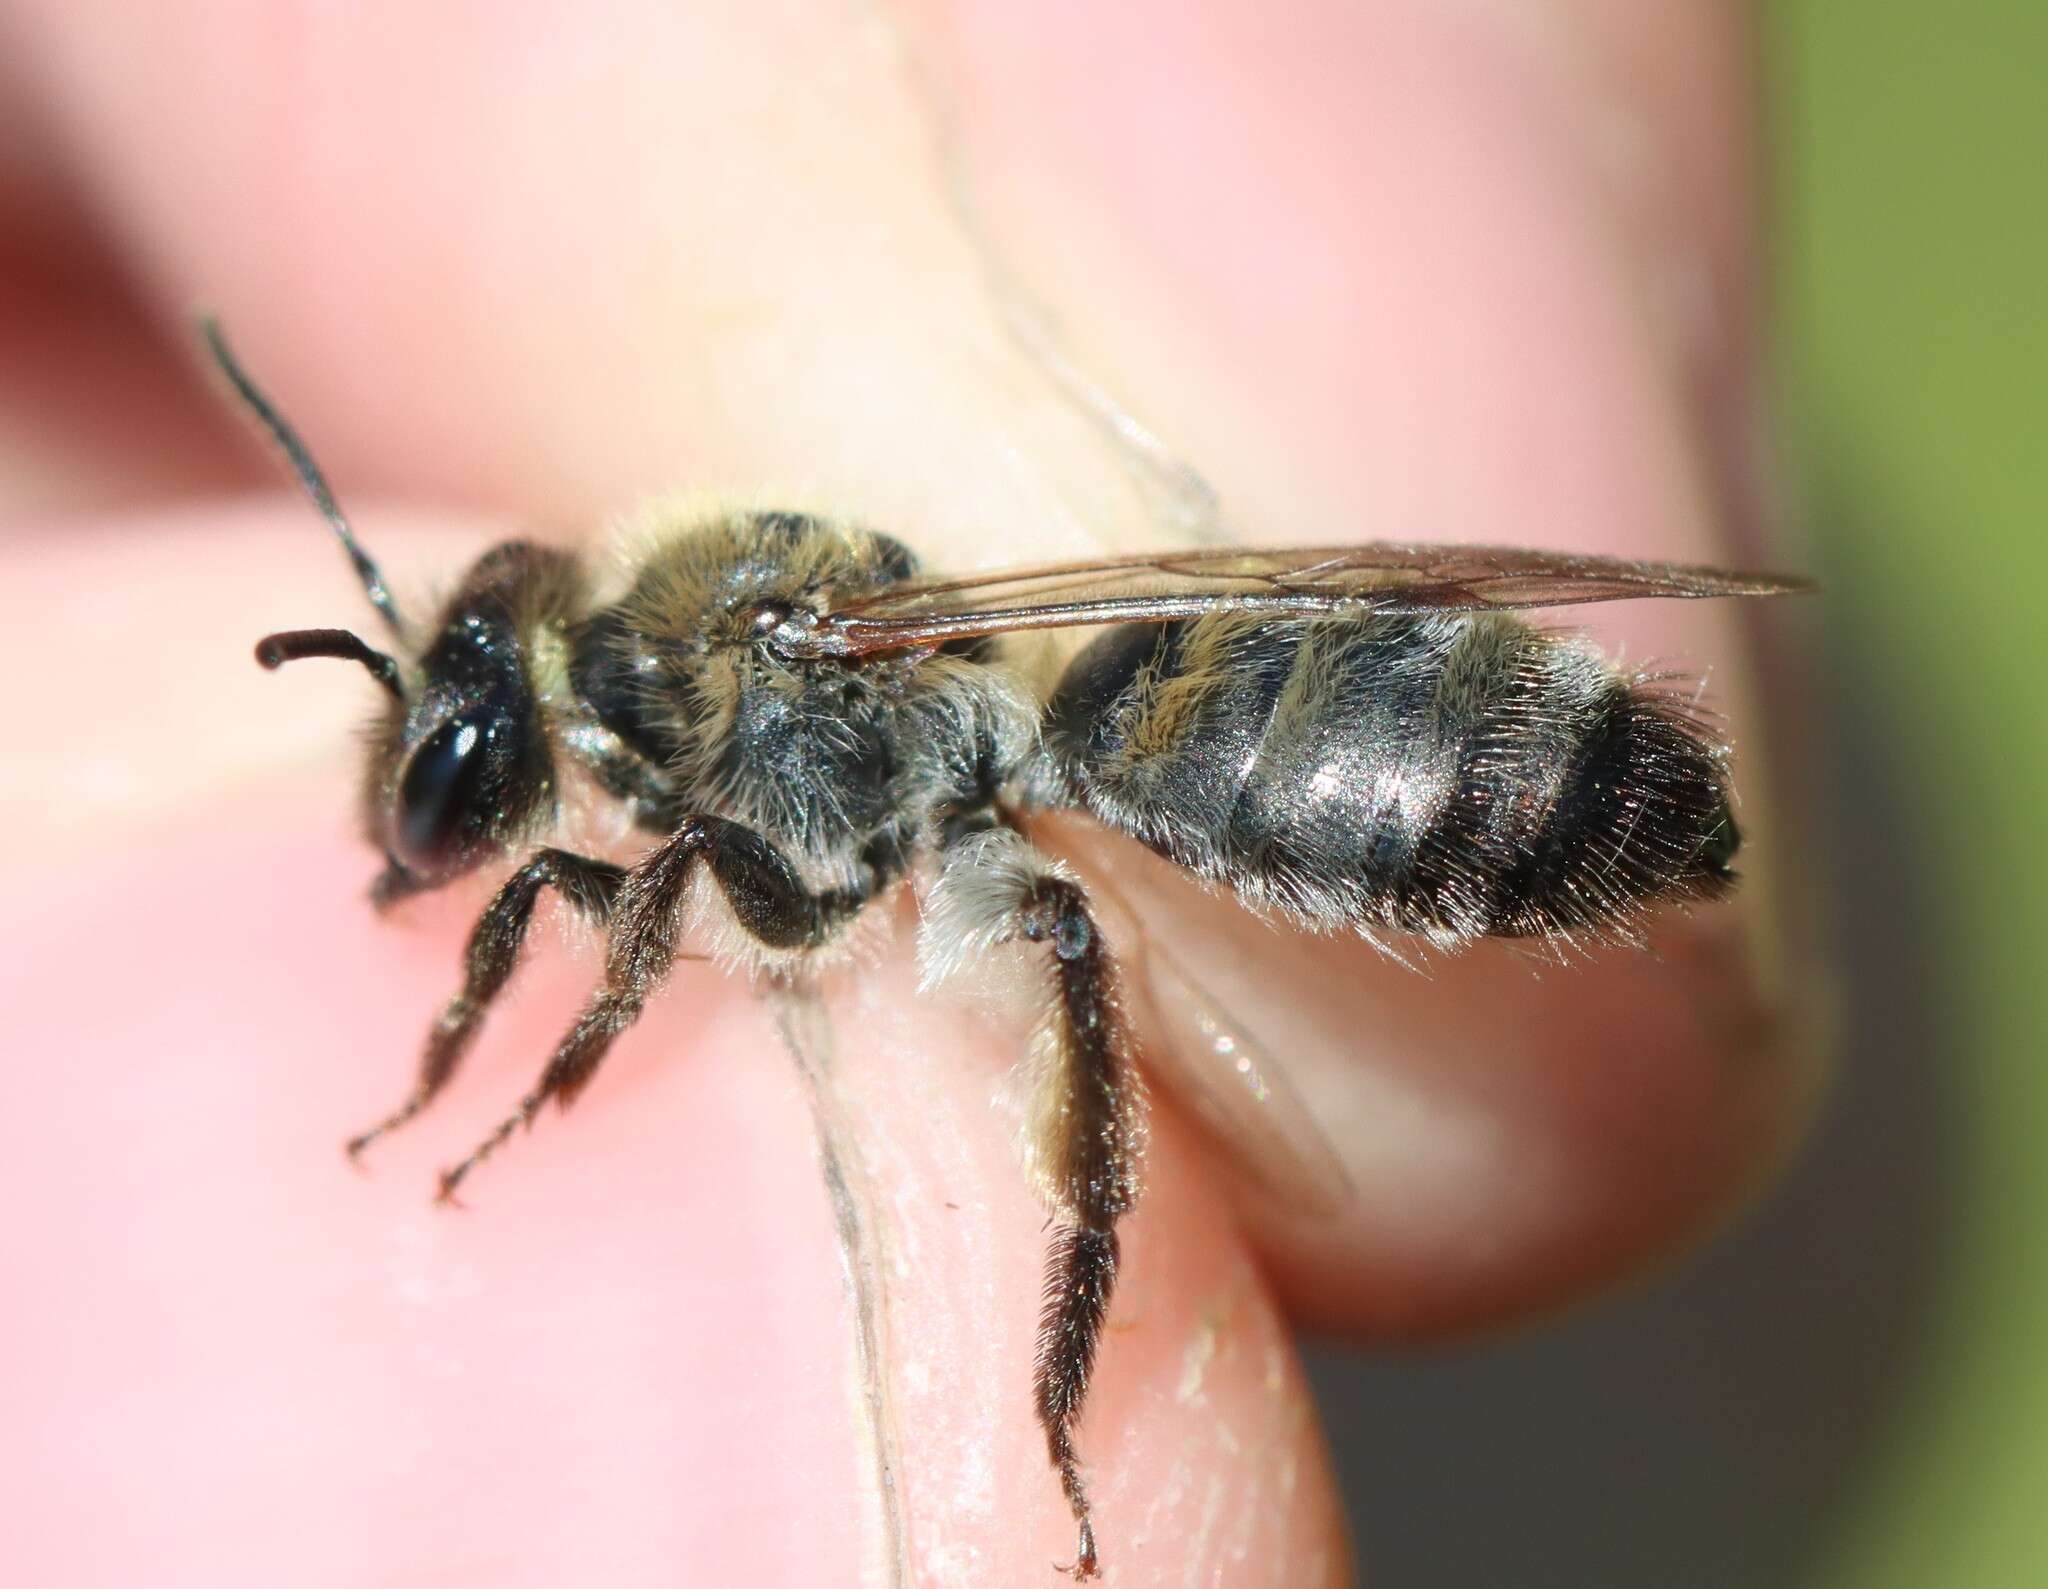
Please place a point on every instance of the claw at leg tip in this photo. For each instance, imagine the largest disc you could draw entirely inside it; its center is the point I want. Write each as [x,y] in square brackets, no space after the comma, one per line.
[1086,1566]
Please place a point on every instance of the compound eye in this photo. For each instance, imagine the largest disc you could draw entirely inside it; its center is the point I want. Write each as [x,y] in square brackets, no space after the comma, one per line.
[438,796]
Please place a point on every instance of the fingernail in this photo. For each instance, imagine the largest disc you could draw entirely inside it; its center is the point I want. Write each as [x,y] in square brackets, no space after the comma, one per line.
[1375,271]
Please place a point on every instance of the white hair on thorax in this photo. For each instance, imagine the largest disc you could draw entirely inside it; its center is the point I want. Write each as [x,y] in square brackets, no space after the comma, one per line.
[971,906]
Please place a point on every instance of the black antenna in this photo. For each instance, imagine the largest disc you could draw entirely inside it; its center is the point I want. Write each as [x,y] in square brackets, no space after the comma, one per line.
[275,650]
[304,467]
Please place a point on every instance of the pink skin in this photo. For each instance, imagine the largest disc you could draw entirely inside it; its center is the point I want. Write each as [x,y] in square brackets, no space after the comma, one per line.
[1475,272]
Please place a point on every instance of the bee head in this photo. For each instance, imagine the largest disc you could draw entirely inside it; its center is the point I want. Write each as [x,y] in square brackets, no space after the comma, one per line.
[460,762]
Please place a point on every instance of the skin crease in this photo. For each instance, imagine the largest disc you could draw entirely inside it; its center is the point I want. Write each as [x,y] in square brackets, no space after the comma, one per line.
[1477,272]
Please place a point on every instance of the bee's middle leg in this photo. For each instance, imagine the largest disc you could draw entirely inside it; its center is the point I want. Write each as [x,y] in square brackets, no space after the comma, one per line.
[768,900]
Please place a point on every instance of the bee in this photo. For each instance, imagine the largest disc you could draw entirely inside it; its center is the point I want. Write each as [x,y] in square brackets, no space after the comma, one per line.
[1361,738]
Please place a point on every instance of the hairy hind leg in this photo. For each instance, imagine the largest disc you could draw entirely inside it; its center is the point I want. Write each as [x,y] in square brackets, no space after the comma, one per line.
[768,899]
[1085,1138]
[494,944]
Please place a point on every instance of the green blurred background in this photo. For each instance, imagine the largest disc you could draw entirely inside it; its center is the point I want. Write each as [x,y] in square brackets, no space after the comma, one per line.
[1912,213]
[1851,1391]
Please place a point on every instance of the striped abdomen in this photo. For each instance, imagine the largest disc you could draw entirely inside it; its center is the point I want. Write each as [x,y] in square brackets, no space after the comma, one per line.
[1451,776]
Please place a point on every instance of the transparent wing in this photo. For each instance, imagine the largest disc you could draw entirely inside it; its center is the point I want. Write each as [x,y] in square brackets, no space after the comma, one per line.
[1204,1057]
[1240,1094]
[1301,582]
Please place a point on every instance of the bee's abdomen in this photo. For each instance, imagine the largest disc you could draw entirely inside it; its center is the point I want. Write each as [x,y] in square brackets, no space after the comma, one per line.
[1450,776]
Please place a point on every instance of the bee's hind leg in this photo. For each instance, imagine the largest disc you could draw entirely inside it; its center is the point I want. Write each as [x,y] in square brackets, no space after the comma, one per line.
[768,900]
[1085,1136]
[494,943]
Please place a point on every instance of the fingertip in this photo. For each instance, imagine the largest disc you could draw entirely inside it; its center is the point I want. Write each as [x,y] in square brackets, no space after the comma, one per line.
[1521,1136]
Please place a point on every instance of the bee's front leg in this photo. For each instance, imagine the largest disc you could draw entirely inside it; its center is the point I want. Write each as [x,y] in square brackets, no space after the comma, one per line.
[768,900]
[494,944]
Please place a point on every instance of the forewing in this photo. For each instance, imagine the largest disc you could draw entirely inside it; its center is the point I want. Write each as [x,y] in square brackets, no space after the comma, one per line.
[1301,582]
